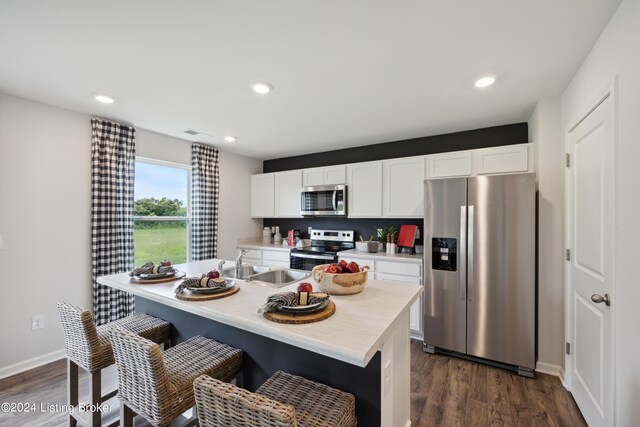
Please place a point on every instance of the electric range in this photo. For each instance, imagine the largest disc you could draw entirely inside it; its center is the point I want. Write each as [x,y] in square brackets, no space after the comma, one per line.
[325,244]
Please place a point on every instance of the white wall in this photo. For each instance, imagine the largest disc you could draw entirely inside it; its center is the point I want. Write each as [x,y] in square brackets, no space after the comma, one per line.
[45,191]
[616,53]
[546,134]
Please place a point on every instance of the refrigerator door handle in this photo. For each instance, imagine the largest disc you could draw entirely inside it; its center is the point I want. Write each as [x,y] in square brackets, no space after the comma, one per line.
[470,258]
[462,254]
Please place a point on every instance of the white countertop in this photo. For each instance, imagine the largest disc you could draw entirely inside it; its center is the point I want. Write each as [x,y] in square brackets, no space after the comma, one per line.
[361,324]
[383,256]
[256,243]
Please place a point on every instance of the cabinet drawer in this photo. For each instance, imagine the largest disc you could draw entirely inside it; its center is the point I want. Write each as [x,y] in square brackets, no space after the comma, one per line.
[253,256]
[280,256]
[279,264]
[403,268]
[396,278]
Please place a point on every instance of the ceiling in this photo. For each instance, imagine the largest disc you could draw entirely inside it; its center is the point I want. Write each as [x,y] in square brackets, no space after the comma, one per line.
[345,73]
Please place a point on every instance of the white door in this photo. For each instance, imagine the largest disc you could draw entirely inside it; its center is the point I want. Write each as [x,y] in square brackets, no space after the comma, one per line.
[262,196]
[403,187]
[364,181]
[287,189]
[590,230]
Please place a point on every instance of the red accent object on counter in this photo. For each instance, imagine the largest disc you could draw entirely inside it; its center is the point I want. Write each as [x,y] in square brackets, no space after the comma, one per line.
[290,238]
[407,236]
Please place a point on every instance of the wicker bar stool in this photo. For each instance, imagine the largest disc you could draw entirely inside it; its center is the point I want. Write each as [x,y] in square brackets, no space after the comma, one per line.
[88,346]
[284,400]
[159,385]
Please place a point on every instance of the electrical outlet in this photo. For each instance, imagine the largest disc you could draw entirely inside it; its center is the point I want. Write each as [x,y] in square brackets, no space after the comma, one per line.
[37,322]
[417,233]
[309,230]
[379,232]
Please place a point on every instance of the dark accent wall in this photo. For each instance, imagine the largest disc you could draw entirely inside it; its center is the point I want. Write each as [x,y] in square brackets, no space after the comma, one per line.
[517,133]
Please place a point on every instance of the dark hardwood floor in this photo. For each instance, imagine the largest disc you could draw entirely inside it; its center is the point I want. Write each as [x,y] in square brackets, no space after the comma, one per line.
[444,392]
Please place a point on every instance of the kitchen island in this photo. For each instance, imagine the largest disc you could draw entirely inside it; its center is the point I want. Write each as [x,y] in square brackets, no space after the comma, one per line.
[363,348]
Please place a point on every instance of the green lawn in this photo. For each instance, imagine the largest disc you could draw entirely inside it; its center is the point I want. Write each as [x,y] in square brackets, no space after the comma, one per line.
[162,243]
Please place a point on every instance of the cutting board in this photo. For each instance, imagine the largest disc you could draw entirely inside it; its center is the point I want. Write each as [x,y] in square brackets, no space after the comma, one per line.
[298,319]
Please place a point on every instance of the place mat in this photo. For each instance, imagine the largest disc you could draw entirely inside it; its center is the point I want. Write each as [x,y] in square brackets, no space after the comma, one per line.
[138,281]
[298,319]
[186,296]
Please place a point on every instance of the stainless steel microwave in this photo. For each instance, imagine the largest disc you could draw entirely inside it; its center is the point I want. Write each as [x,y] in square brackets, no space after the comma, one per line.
[323,200]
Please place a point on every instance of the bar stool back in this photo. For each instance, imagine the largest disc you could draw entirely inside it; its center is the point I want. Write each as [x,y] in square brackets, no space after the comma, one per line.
[159,385]
[88,346]
[284,400]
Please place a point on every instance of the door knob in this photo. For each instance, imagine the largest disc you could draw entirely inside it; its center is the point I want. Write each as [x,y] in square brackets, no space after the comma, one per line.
[599,298]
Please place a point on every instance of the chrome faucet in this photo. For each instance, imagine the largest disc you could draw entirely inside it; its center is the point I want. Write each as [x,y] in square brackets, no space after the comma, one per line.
[239,263]
[220,264]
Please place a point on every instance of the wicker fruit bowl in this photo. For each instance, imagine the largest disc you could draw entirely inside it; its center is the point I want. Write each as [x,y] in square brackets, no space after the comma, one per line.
[342,283]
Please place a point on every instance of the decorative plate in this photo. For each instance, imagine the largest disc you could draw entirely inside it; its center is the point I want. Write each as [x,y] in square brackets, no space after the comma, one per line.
[156,275]
[305,309]
[205,291]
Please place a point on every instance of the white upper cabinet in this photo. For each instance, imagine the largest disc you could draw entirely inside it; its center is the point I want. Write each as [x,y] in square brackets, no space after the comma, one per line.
[511,158]
[313,176]
[403,189]
[335,175]
[364,187]
[331,175]
[262,196]
[445,165]
[287,194]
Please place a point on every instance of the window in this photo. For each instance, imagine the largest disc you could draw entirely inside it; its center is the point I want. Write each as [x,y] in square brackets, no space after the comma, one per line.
[161,212]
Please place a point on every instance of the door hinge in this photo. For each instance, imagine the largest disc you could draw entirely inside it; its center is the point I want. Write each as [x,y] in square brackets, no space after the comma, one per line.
[567,159]
[567,254]
[567,348]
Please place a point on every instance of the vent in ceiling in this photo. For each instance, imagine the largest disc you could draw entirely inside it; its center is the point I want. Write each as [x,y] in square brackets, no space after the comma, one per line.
[194,132]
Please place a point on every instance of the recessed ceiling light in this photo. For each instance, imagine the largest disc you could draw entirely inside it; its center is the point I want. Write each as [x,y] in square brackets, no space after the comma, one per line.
[230,138]
[485,81]
[262,87]
[105,99]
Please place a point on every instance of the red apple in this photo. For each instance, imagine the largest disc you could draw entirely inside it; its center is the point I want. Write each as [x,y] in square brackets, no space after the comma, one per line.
[343,263]
[165,263]
[331,269]
[353,267]
[213,274]
[305,287]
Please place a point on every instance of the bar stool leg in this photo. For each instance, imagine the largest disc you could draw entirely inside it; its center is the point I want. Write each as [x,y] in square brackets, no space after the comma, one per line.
[95,388]
[72,389]
[126,416]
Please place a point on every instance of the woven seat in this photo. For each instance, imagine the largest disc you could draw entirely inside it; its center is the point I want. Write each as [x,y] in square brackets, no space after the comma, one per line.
[284,400]
[89,347]
[159,386]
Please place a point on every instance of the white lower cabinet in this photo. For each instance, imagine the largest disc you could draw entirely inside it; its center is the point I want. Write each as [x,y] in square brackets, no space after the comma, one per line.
[252,256]
[275,259]
[407,272]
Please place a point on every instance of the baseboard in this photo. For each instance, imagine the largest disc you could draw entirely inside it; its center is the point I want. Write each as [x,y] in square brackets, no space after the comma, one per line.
[25,365]
[549,369]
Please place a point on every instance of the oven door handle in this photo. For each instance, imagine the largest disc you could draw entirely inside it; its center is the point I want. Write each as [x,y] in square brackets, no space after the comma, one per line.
[325,257]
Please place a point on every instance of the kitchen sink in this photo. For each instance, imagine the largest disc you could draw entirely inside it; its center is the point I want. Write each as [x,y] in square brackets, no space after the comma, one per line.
[246,271]
[278,278]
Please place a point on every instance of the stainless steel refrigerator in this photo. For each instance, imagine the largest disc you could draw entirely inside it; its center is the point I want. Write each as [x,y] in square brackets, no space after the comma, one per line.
[480,293]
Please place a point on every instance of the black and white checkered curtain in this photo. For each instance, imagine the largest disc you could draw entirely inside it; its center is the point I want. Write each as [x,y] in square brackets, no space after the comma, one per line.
[204,202]
[113,153]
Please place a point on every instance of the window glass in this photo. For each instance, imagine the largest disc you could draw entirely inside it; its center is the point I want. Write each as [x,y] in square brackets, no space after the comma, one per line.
[161,217]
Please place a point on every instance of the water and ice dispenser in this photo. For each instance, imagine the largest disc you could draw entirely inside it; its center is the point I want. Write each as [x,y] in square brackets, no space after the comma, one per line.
[444,254]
